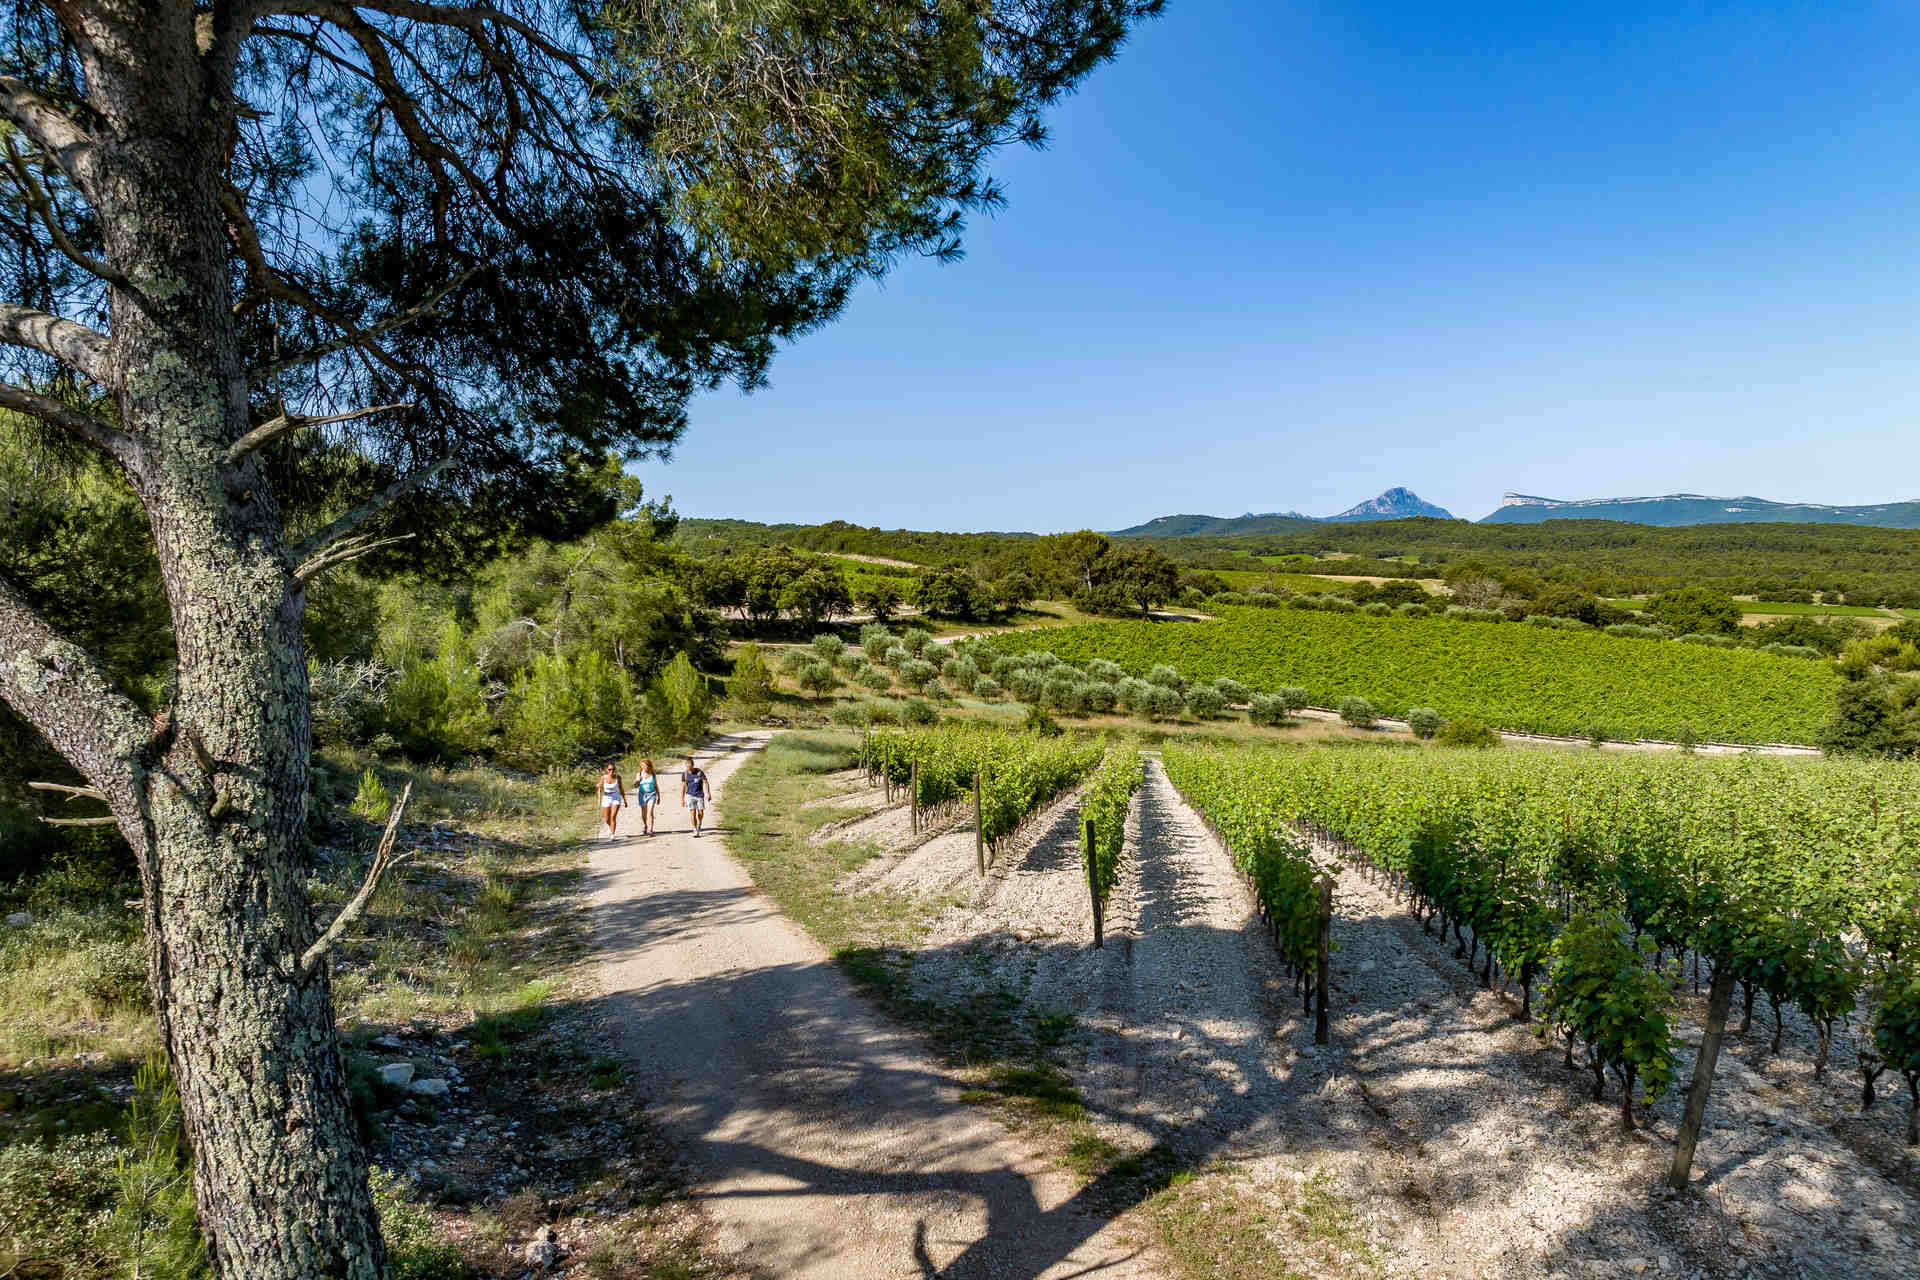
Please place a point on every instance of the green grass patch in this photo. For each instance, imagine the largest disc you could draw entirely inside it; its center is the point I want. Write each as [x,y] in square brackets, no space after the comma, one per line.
[1213,1223]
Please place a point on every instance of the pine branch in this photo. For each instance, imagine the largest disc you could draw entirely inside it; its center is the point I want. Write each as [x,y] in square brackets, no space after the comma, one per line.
[338,529]
[384,860]
[267,432]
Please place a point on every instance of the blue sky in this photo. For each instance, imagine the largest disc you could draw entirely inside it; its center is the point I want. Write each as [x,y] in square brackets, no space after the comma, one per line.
[1284,255]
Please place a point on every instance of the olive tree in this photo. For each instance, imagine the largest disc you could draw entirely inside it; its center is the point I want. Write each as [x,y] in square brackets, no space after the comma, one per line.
[430,261]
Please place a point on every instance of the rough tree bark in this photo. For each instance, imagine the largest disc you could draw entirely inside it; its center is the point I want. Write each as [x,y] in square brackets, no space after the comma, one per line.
[212,801]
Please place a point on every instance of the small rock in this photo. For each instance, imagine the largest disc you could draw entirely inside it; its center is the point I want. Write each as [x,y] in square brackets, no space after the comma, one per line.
[541,1251]
[387,1042]
[19,919]
[435,1088]
[1365,966]
[396,1074]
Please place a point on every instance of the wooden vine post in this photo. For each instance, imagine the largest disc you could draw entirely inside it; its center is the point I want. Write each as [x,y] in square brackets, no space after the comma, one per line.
[1719,1001]
[1093,886]
[913,787]
[1321,1033]
[979,829]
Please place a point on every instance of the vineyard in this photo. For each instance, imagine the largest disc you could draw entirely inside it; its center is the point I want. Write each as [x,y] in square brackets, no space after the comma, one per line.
[1018,774]
[1538,680]
[1591,883]
[1109,795]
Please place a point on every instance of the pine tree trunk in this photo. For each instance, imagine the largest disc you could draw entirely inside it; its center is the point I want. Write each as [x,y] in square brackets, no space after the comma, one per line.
[215,807]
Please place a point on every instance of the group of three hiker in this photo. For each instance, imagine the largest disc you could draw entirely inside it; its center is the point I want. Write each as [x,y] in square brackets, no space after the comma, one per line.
[695,791]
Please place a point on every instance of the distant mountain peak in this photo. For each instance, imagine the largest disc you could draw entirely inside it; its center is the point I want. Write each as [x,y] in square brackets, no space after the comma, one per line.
[1397,503]
[1672,509]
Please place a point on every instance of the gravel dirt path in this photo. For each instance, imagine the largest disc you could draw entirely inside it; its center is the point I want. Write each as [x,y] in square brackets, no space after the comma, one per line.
[823,1140]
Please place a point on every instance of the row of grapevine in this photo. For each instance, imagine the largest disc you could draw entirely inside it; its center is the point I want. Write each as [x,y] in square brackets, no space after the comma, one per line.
[1799,881]
[1274,857]
[1108,797]
[1527,679]
[1019,773]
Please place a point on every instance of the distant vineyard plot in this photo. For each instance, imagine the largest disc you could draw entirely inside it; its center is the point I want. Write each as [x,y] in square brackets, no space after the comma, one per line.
[1513,676]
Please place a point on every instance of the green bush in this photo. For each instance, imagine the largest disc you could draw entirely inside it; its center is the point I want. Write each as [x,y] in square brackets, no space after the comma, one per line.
[563,710]
[1205,701]
[875,640]
[918,711]
[1270,710]
[1378,609]
[1232,690]
[152,1230]
[412,1248]
[987,689]
[1164,703]
[796,660]
[854,715]
[1098,697]
[114,973]
[372,801]
[875,678]
[752,683]
[818,679]
[917,673]
[829,648]
[1166,677]
[1106,672]
[53,1204]
[916,641]
[1358,712]
[1425,721]
[1467,731]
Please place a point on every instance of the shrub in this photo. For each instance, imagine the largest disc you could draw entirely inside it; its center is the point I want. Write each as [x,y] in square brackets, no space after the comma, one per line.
[875,678]
[1411,610]
[1269,710]
[1060,691]
[962,670]
[1105,671]
[1424,721]
[818,679]
[372,800]
[1378,609]
[1553,623]
[1294,696]
[1338,604]
[1708,638]
[1166,677]
[679,703]
[916,641]
[1461,613]
[153,1230]
[796,660]
[1038,721]
[113,973]
[880,713]
[52,1200]
[412,1248]
[829,648]
[897,655]
[1232,690]
[752,683]
[1636,631]
[1596,736]
[1163,703]
[854,715]
[1098,696]
[875,640]
[917,673]
[1687,737]
[919,711]
[1467,731]
[1136,695]
[564,709]
[986,688]
[347,700]
[1027,685]
[1791,651]
[1358,712]
[1205,701]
